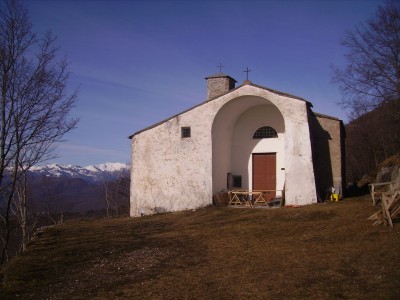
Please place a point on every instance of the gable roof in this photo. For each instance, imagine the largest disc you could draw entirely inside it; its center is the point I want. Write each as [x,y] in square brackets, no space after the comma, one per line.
[246,82]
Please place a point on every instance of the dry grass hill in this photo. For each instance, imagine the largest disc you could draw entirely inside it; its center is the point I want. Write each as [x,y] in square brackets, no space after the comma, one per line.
[321,251]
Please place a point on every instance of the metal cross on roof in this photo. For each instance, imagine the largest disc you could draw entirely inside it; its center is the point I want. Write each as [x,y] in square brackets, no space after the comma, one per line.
[220,67]
[247,73]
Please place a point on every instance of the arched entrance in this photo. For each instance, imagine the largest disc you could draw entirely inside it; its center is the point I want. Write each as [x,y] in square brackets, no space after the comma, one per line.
[234,144]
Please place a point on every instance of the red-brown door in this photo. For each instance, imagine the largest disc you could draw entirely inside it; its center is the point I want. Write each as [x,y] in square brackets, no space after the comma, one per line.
[264,172]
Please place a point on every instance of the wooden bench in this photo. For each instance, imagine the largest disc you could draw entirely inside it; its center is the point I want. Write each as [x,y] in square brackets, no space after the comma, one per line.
[389,195]
[376,190]
[390,206]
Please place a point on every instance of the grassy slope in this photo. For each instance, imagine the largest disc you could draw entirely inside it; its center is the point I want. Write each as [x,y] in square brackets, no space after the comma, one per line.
[321,251]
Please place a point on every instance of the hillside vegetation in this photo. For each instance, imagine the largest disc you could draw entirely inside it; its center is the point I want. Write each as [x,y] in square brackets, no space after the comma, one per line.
[371,140]
[321,251]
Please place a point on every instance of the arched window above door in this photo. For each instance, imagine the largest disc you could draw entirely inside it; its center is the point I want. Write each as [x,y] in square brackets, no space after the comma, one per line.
[265,132]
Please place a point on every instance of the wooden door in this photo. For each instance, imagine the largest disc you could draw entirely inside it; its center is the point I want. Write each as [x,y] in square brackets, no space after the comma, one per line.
[264,172]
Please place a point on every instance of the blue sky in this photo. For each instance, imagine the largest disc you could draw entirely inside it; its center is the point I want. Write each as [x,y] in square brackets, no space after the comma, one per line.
[138,62]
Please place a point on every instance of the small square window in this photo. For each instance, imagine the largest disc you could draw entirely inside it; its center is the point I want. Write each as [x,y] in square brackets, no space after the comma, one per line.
[237,181]
[185,132]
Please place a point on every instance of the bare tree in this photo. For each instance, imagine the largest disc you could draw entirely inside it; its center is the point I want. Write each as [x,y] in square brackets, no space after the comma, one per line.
[34,108]
[52,209]
[108,196]
[370,84]
[117,193]
[122,188]
[27,218]
[372,74]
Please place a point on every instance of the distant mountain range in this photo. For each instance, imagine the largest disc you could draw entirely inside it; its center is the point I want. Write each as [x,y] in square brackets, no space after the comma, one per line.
[67,188]
[98,173]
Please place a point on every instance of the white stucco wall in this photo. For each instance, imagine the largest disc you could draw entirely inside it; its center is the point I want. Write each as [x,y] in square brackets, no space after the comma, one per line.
[170,173]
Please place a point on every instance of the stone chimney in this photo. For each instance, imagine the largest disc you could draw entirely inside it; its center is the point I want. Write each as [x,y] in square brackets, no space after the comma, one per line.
[219,84]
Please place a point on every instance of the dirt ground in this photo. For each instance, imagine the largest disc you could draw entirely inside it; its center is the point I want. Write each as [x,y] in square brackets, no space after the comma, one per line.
[320,251]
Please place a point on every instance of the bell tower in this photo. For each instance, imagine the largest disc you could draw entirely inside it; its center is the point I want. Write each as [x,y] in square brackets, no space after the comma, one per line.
[219,84]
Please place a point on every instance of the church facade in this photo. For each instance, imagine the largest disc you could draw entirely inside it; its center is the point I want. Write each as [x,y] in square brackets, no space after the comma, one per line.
[248,137]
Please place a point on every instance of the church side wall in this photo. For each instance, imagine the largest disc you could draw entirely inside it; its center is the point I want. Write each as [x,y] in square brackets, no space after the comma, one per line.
[171,173]
[333,129]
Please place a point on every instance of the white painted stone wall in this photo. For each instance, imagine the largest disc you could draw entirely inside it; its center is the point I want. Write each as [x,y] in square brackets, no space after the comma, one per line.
[170,173]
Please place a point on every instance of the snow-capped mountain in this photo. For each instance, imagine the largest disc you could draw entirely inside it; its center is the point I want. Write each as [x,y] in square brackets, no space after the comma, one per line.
[97,173]
[59,188]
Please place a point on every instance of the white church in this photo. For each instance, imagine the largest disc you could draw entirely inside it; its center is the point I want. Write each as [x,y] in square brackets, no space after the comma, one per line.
[247,137]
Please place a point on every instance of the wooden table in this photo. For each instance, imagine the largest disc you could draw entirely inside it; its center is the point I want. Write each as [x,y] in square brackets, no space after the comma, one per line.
[242,198]
[263,199]
[250,198]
